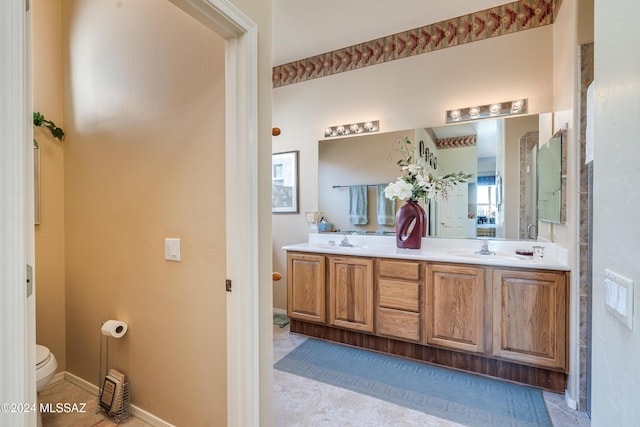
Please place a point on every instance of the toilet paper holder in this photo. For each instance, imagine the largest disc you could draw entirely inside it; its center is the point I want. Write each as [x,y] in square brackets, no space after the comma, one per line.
[119,409]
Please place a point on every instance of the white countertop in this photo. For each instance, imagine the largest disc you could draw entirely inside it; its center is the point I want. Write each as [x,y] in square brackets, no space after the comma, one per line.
[439,249]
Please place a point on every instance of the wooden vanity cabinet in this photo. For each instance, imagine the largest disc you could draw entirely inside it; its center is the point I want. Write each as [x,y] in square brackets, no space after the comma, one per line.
[399,299]
[530,317]
[351,293]
[511,323]
[306,288]
[456,304]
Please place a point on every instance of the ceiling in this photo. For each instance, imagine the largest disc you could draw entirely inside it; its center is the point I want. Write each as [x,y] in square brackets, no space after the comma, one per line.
[304,28]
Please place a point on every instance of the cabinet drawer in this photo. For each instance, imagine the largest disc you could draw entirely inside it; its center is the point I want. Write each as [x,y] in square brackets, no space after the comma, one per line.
[400,295]
[398,324]
[406,270]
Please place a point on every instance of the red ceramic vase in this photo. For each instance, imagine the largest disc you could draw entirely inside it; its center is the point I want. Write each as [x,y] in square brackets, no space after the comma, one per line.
[411,225]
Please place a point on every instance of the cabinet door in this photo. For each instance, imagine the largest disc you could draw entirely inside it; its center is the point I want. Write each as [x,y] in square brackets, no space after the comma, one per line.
[456,307]
[351,293]
[530,317]
[306,287]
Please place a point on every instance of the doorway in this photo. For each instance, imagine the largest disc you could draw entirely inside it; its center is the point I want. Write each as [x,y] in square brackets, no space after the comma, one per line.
[242,264]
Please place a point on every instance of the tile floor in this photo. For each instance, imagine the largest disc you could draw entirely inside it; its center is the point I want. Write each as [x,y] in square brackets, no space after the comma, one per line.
[298,402]
[64,391]
[303,402]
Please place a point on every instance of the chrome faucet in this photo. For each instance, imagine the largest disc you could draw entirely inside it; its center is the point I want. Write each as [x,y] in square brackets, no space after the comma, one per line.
[345,242]
[484,250]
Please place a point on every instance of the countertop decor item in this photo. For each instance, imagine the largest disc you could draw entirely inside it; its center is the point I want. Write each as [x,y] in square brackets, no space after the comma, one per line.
[411,225]
[417,184]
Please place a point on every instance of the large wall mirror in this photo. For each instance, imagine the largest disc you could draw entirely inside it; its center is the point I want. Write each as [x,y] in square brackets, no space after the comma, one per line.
[551,170]
[498,202]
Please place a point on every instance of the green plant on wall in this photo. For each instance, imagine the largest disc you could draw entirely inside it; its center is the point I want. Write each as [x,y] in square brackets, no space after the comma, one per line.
[40,121]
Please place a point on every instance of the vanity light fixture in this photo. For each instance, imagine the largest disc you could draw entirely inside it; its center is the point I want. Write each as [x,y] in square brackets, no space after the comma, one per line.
[497,109]
[352,128]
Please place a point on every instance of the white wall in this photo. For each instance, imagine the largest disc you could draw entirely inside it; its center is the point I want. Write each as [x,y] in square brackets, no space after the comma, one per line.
[402,94]
[616,229]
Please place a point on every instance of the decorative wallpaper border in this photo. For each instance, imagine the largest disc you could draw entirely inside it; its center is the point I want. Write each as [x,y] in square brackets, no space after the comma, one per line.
[500,20]
[456,142]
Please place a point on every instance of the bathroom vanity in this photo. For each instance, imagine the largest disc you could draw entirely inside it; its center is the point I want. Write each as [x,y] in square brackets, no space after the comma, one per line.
[501,315]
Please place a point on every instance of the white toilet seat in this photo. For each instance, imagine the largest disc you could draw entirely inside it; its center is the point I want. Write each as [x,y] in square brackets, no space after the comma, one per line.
[42,355]
[46,366]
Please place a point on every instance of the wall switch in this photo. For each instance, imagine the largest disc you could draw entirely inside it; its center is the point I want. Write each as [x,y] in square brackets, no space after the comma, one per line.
[172,249]
[618,297]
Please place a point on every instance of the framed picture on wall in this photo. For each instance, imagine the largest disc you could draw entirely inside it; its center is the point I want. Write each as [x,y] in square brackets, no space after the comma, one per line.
[284,182]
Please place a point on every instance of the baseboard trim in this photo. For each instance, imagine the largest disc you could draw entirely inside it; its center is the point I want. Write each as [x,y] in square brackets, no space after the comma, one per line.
[279,311]
[571,403]
[137,412]
[57,377]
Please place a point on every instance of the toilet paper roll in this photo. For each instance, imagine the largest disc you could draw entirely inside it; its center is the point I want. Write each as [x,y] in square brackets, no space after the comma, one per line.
[114,328]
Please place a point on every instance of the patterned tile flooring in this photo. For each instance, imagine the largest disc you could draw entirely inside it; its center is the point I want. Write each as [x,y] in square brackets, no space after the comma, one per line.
[303,402]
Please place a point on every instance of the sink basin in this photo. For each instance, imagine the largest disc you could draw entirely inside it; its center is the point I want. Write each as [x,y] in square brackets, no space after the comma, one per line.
[337,246]
[498,256]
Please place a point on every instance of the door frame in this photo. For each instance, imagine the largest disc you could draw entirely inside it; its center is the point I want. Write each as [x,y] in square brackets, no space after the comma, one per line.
[17,325]
[17,241]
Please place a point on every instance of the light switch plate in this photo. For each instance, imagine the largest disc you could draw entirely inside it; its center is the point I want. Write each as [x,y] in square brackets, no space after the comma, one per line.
[172,249]
[618,297]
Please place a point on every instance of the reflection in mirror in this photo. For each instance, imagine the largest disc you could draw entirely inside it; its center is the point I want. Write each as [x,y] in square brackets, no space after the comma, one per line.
[495,202]
[551,193]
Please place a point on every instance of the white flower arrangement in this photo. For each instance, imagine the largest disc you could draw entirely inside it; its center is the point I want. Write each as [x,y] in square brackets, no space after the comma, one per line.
[419,183]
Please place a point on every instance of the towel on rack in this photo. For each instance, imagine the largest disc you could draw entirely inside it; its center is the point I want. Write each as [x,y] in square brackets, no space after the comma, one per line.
[358,204]
[386,208]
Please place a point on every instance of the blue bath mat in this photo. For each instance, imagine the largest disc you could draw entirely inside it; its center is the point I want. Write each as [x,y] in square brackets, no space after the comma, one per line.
[464,398]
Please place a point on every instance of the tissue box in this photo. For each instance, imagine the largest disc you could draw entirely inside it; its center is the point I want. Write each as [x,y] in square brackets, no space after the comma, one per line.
[324,226]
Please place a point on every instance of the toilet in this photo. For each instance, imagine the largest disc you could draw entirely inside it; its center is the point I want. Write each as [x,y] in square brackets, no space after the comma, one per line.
[46,366]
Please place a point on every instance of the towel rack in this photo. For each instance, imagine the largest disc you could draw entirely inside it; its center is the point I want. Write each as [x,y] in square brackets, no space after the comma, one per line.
[346,186]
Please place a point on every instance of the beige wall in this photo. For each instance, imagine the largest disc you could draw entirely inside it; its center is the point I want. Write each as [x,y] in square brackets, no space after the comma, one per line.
[585,21]
[47,99]
[144,160]
[114,112]
[403,94]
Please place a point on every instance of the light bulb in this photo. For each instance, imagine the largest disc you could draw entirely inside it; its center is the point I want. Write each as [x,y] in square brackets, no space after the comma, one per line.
[516,106]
